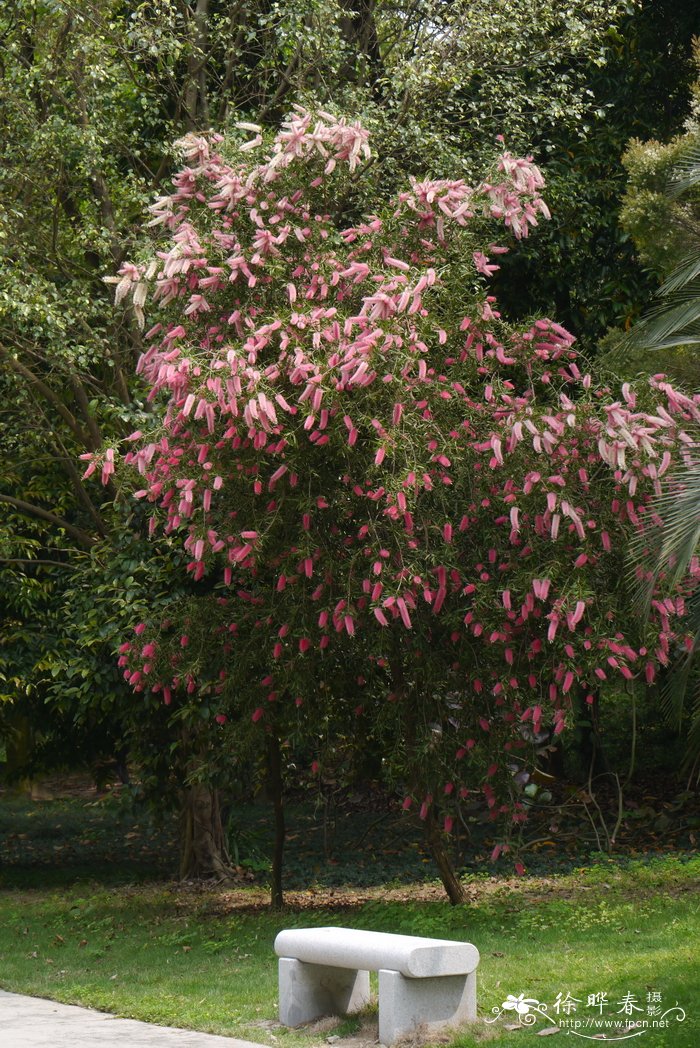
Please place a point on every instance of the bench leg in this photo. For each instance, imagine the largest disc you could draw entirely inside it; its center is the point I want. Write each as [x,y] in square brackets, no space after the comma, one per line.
[405,1004]
[308,991]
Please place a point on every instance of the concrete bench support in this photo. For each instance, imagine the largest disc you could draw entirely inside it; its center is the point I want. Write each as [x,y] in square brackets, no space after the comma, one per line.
[404,1004]
[429,983]
[308,991]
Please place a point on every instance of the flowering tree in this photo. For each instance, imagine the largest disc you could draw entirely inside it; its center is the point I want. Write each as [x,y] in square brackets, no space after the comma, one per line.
[406,508]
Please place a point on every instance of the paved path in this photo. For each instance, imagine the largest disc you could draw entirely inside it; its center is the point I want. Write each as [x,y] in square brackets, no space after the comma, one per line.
[32,1022]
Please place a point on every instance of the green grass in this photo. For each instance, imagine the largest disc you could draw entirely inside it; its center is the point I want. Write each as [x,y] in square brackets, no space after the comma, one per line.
[203,959]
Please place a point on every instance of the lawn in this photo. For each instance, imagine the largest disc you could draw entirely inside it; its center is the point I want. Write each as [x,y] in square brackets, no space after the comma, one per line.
[203,958]
[88,917]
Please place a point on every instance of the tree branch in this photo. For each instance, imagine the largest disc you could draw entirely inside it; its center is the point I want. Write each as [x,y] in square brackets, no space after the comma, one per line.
[49,395]
[81,397]
[27,560]
[30,510]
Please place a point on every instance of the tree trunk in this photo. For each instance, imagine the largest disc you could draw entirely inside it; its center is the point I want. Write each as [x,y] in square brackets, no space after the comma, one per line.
[359,29]
[196,100]
[436,843]
[274,766]
[590,746]
[434,836]
[19,745]
[204,850]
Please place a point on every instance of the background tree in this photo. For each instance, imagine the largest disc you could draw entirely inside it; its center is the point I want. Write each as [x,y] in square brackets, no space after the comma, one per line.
[662,213]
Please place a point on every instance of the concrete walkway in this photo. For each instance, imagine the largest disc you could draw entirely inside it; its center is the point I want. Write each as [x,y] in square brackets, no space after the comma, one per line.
[32,1022]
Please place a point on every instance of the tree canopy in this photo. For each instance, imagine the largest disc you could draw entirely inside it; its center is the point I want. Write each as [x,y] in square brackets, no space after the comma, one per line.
[405,507]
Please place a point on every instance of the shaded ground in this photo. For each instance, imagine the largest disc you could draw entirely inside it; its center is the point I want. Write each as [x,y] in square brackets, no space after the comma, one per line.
[71,832]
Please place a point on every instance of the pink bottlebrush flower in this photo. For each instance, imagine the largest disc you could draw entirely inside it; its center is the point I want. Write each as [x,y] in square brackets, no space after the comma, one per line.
[481,262]
[403,612]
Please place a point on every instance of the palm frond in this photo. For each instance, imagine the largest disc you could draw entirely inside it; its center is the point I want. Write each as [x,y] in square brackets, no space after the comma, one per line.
[676,324]
[675,690]
[691,764]
[686,174]
[679,509]
[685,273]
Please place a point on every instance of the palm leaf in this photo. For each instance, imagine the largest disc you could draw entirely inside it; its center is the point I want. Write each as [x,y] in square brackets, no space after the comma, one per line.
[684,274]
[679,509]
[674,324]
[675,690]
[687,173]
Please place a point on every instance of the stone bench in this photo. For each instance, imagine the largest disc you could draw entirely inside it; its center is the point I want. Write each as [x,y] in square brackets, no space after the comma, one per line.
[422,982]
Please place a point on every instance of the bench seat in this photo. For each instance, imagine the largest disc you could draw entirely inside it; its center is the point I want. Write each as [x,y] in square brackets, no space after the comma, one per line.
[428,983]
